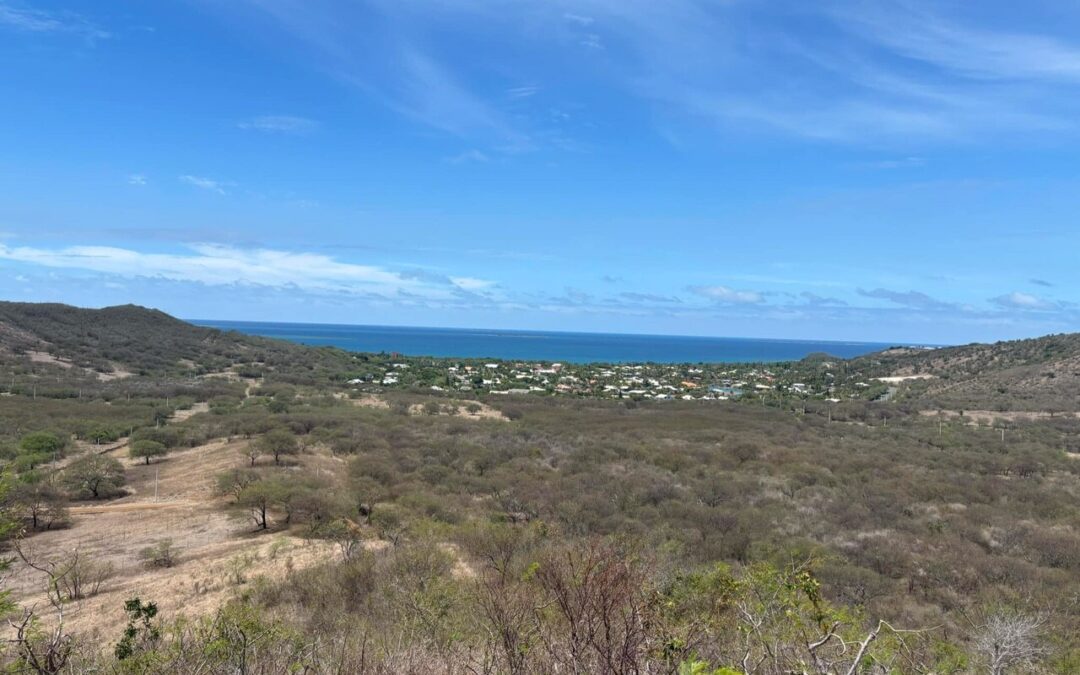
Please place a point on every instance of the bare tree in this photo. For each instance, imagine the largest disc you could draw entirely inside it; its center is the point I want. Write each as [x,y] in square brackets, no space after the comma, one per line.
[1005,640]
[43,652]
[70,577]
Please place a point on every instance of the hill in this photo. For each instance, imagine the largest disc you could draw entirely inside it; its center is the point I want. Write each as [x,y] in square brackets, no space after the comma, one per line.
[1038,374]
[128,339]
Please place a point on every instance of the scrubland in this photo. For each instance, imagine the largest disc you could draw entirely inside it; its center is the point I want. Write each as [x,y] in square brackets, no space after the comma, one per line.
[266,519]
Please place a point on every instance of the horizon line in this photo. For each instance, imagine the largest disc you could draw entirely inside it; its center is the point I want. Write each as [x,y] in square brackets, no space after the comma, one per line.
[569,332]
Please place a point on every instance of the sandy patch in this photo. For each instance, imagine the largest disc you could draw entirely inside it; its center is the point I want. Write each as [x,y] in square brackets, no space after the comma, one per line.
[482,411]
[45,357]
[896,379]
[118,373]
[485,412]
[200,407]
[990,416]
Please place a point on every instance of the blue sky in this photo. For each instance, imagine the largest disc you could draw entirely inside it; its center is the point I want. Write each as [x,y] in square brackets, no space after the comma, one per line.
[888,171]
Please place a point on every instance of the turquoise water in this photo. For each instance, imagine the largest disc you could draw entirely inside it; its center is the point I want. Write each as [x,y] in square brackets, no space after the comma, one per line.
[544,345]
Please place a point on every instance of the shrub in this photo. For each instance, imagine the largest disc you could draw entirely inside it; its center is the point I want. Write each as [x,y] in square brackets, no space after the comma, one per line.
[162,554]
[42,442]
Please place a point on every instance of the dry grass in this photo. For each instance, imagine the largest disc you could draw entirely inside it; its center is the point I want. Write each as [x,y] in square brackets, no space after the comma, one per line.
[484,412]
[45,357]
[219,553]
[991,416]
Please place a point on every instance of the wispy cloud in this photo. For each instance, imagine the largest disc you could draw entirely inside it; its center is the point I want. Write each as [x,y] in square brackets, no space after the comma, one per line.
[221,265]
[860,72]
[375,48]
[472,284]
[832,70]
[522,92]
[918,32]
[912,299]
[136,179]
[649,298]
[474,156]
[40,21]
[1042,282]
[280,124]
[816,300]
[579,19]
[1023,301]
[723,294]
[204,183]
[592,41]
[898,163]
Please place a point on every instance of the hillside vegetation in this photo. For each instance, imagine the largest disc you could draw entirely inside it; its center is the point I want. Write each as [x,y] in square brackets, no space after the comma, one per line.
[248,510]
[1040,374]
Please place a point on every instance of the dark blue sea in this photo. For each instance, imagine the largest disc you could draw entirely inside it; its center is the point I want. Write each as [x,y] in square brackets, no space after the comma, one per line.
[531,345]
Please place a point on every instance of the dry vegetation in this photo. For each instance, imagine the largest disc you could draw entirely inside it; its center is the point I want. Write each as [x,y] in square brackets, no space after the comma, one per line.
[274,524]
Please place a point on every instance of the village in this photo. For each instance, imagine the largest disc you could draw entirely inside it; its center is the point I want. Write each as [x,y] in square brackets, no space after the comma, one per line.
[821,380]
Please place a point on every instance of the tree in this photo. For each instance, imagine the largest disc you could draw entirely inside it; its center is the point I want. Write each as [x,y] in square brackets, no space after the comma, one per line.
[102,434]
[147,450]
[170,437]
[259,497]
[42,442]
[252,451]
[94,477]
[279,442]
[39,503]
[1008,640]
[233,482]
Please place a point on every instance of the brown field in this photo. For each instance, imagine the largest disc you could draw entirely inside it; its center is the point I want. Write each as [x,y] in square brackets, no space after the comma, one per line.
[219,551]
[991,416]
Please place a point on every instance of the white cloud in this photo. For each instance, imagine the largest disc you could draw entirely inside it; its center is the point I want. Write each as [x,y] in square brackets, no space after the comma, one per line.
[471,284]
[579,19]
[1023,301]
[224,265]
[280,124]
[136,179]
[729,295]
[205,183]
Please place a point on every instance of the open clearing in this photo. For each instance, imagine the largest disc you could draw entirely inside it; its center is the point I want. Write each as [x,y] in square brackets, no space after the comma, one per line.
[480,411]
[218,552]
[991,416]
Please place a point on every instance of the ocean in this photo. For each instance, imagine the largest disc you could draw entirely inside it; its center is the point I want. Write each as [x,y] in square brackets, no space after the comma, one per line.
[531,345]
